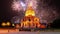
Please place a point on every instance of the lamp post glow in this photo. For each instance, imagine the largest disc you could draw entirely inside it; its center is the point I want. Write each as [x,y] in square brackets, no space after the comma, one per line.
[3,24]
[8,24]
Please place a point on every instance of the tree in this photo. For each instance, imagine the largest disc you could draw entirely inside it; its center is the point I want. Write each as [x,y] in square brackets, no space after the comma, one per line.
[56,23]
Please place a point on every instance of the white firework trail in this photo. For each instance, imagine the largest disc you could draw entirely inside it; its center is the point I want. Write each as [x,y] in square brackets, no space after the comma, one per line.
[32,3]
[18,5]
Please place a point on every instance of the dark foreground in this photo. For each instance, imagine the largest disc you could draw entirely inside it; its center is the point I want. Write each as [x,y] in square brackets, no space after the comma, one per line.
[31,33]
[16,31]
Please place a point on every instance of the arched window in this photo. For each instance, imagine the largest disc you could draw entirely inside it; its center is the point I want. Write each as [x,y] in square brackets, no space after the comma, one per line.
[29,19]
[36,19]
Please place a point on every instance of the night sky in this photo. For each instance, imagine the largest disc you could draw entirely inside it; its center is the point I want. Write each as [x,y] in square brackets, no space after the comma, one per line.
[6,13]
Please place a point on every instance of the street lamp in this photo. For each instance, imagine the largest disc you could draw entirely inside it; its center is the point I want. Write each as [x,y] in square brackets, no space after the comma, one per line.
[8,24]
[3,24]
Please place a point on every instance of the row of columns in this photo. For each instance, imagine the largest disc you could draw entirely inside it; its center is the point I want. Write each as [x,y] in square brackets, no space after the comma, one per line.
[30,24]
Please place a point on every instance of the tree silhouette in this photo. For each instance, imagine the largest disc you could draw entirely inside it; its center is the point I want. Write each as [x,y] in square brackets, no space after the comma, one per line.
[56,23]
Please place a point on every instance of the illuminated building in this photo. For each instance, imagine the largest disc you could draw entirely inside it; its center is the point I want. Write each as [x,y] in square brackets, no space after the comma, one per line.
[30,20]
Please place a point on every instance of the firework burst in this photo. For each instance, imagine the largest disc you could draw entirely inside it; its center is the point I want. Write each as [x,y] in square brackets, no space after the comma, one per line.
[18,5]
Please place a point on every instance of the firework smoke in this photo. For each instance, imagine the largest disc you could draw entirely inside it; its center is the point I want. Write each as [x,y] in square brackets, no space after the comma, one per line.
[16,5]
[19,5]
[32,3]
[46,13]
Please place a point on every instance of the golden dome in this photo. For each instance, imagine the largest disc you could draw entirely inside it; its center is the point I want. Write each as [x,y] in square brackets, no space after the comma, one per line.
[30,12]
